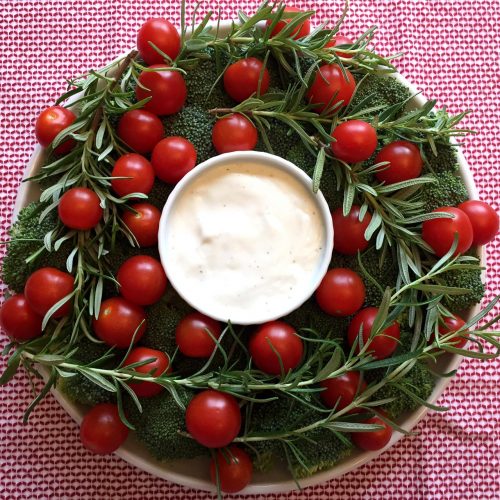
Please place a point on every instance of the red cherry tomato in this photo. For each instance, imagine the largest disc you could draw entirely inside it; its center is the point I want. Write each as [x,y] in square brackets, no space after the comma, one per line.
[373,440]
[50,123]
[341,292]
[405,162]
[241,79]
[349,231]
[440,233]
[285,343]
[142,280]
[234,468]
[484,220]
[101,430]
[162,34]
[80,208]
[192,338]
[383,344]
[159,366]
[18,319]
[140,130]
[143,223]
[453,324]
[330,86]
[340,40]
[138,169]
[299,31]
[234,133]
[117,322]
[46,287]
[213,418]
[166,88]
[173,158]
[355,140]
[341,391]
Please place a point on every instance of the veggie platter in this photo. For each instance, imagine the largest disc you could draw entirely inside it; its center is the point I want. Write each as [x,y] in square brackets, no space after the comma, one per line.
[91,310]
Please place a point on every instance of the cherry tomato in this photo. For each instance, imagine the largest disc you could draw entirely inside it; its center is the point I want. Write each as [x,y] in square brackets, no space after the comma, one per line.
[143,223]
[159,366]
[140,130]
[234,133]
[102,430]
[18,319]
[234,468]
[80,208]
[172,158]
[349,231]
[341,391]
[161,33]
[139,171]
[299,31]
[484,220]
[341,292]
[383,344]
[440,233]
[241,79]
[285,343]
[373,440]
[192,338]
[49,123]
[355,140]
[118,321]
[166,88]
[142,280]
[405,162]
[453,324]
[330,86]
[213,418]
[340,40]
[46,287]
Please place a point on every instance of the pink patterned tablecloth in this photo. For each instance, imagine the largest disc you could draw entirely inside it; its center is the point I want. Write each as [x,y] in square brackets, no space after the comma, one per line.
[451,54]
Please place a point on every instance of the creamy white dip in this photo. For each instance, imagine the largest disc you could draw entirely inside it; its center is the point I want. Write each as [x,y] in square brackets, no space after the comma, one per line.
[244,240]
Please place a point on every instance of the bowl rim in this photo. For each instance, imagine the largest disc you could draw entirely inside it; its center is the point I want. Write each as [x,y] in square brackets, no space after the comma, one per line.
[28,191]
[273,162]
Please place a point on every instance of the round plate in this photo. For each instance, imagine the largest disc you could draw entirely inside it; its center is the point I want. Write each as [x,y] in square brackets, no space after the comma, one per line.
[194,473]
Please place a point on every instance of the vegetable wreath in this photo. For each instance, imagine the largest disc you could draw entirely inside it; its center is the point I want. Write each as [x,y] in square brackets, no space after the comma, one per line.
[91,303]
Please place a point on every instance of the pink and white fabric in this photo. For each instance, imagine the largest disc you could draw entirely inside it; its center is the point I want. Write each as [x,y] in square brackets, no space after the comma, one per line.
[451,52]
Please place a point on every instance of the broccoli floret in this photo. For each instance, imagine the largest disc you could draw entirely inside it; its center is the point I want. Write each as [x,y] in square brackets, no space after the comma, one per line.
[445,160]
[26,238]
[385,273]
[380,90]
[195,124]
[310,315]
[202,87]
[79,388]
[419,381]
[158,425]
[448,191]
[281,138]
[159,194]
[463,278]
[320,448]
[302,157]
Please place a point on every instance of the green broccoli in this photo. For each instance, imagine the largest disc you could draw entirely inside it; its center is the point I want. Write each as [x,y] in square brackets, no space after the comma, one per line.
[463,278]
[159,194]
[158,425]
[419,380]
[448,191]
[445,160]
[310,315]
[302,157]
[26,238]
[380,90]
[79,388]
[195,124]
[385,273]
[281,138]
[320,448]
